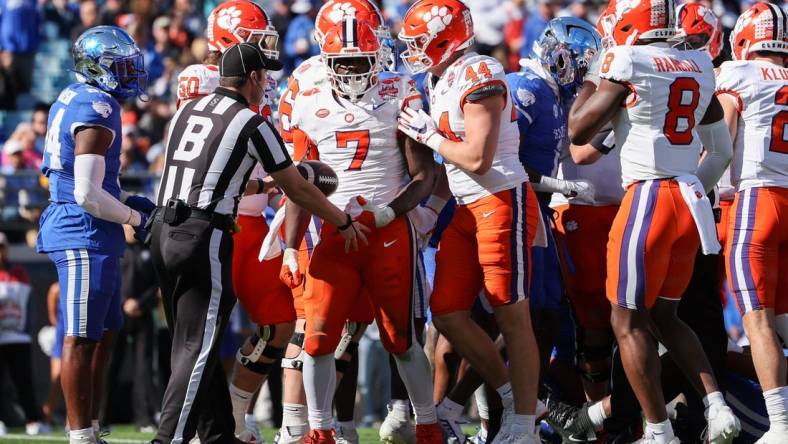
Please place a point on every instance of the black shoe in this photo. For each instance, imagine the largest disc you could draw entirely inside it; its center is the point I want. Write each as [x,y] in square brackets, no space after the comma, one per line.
[570,421]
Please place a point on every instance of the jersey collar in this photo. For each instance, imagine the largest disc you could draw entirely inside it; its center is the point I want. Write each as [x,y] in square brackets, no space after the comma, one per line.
[222,91]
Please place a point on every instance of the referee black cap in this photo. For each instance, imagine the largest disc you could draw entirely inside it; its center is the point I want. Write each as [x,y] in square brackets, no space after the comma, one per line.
[243,58]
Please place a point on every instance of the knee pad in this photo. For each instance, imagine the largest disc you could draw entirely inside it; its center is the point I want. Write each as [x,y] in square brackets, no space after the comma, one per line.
[296,363]
[260,349]
[342,365]
[351,328]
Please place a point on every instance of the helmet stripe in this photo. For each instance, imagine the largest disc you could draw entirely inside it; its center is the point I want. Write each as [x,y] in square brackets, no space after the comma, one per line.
[670,14]
[778,21]
[349,33]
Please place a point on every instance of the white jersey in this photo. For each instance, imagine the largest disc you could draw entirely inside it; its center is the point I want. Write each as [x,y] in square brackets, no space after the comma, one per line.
[760,151]
[310,74]
[358,140]
[670,91]
[469,74]
[604,175]
[200,80]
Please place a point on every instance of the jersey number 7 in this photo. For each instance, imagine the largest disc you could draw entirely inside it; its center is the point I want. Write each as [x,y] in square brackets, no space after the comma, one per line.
[357,139]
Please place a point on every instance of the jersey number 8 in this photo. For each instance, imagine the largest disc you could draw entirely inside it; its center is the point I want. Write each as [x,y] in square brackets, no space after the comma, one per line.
[681,111]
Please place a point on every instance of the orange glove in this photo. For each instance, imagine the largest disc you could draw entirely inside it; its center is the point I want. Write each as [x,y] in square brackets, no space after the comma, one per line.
[290,275]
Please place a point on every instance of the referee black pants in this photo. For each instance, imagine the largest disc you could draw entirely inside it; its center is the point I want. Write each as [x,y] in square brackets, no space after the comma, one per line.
[193,261]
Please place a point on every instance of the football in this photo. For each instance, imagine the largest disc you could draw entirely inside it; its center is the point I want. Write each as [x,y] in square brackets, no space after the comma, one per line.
[320,175]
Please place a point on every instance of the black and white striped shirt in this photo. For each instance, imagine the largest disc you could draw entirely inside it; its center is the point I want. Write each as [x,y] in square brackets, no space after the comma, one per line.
[212,145]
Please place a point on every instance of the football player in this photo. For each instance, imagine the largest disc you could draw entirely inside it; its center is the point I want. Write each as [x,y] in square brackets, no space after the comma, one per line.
[663,109]
[348,123]
[262,295]
[487,245]
[753,91]
[81,228]
[301,240]
[542,92]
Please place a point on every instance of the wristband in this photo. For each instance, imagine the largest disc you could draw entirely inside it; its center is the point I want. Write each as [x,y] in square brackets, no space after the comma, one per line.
[434,142]
[347,225]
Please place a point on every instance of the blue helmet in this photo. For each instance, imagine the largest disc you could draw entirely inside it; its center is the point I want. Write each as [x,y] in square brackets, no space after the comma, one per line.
[566,48]
[107,58]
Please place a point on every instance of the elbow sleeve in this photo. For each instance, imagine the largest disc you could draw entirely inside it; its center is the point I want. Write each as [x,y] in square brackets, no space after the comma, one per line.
[716,140]
[88,192]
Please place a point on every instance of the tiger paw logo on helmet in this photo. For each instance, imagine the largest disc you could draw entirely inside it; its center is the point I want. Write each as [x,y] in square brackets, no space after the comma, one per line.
[437,19]
[340,11]
[228,18]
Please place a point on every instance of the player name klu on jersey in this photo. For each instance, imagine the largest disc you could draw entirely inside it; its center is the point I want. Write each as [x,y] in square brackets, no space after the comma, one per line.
[774,73]
[669,64]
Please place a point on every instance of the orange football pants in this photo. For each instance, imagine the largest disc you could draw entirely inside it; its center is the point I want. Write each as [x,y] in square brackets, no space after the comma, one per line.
[258,288]
[382,272]
[582,233]
[756,251]
[652,246]
[487,246]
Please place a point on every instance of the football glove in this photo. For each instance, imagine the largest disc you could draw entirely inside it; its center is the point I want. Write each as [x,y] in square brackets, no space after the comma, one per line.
[592,75]
[580,190]
[420,127]
[141,229]
[383,216]
[290,275]
[140,203]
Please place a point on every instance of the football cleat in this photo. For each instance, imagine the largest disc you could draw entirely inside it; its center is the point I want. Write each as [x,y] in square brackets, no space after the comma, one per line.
[397,428]
[572,423]
[345,435]
[649,439]
[319,437]
[452,427]
[521,438]
[480,437]
[723,425]
[772,437]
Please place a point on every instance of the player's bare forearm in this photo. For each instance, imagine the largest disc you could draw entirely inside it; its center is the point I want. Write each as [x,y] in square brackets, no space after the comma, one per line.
[421,169]
[296,223]
[593,109]
[476,153]
[584,154]
[731,113]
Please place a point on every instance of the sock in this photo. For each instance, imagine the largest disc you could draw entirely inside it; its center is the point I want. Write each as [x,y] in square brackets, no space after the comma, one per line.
[661,432]
[320,380]
[777,407]
[346,425]
[414,369]
[82,436]
[523,424]
[481,403]
[507,397]
[449,409]
[240,400]
[250,420]
[596,413]
[294,419]
[400,408]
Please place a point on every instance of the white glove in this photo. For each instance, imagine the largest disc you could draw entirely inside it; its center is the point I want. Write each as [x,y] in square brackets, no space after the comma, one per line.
[580,190]
[593,69]
[420,127]
[289,274]
[383,216]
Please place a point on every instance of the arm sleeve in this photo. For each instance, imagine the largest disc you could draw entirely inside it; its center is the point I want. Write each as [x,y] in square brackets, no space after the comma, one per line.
[267,147]
[89,194]
[604,141]
[719,149]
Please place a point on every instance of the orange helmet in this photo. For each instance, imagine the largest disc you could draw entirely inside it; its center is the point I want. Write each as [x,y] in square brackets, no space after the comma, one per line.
[239,21]
[333,11]
[624,22]
[433,30]
[760,28]
[352,46]
[696,20]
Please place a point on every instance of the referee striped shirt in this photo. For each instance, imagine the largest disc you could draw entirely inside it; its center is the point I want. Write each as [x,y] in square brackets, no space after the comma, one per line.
[212,145]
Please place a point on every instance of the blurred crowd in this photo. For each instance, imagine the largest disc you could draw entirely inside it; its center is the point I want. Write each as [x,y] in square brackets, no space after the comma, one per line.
[171,33]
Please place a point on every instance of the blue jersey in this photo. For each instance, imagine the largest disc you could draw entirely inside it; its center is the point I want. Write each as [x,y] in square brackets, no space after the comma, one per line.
[64,224]
[542,121]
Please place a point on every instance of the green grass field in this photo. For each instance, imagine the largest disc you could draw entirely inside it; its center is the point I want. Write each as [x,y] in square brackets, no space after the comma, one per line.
[128,435]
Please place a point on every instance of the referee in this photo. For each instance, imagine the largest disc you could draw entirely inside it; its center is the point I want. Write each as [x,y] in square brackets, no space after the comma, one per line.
[212,146]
